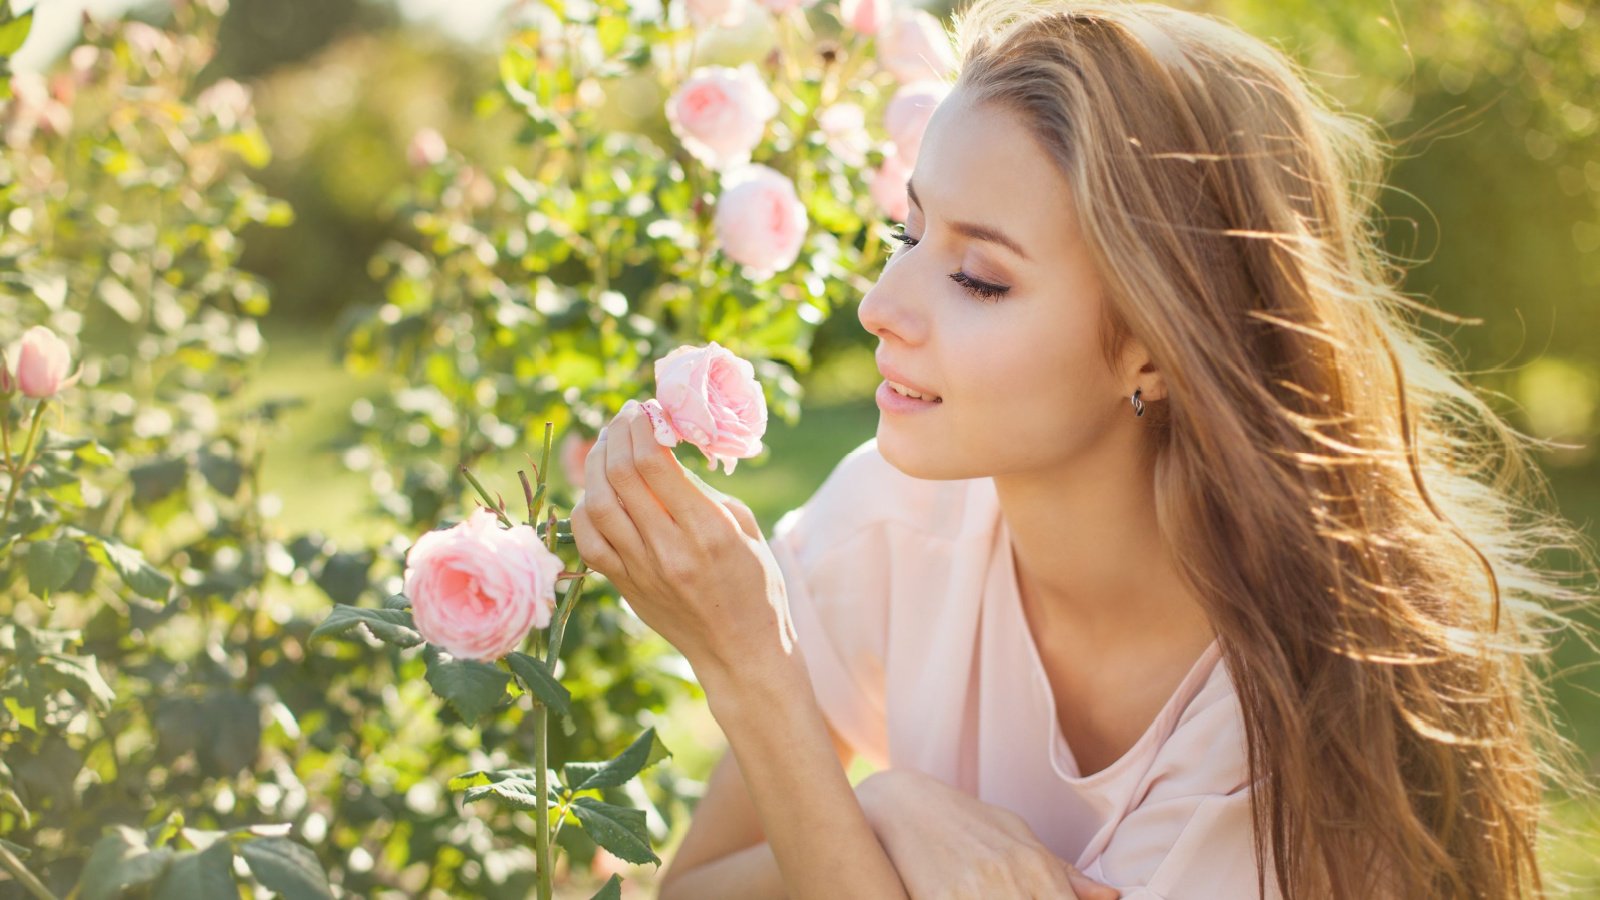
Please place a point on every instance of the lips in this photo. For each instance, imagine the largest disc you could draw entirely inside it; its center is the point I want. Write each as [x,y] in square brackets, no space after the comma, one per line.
[899,378]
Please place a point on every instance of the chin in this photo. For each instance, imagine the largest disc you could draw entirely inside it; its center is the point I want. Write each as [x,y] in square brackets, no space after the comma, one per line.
[920,459]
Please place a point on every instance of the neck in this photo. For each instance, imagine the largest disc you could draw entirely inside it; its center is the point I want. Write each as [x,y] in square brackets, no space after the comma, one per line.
[1089,554]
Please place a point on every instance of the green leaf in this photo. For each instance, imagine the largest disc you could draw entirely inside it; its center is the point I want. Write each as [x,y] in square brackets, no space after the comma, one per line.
[82,678]
[472,687]
[611,30]
[521,793]
[611,890]
[14,32]
[286,867]
[532,672]
[616,828]
[157,479]
[221,472]
[392,625]
[51,564]
[645,751]
[27,716]
[121,860]
[206,875]
[136,573]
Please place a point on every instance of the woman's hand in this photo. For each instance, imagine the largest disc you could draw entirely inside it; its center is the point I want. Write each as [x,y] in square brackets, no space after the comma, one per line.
[947,845]
[689,560]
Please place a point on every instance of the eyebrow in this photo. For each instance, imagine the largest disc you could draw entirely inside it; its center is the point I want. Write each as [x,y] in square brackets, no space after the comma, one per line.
[975,231]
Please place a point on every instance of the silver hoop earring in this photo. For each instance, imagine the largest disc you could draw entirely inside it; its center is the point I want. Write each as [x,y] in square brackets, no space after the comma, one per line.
[1138,405]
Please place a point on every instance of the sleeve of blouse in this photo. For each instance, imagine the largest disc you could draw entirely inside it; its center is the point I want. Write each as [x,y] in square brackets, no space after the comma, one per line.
[835,571]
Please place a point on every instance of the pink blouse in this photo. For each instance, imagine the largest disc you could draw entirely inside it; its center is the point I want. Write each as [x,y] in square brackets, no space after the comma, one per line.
[905,600]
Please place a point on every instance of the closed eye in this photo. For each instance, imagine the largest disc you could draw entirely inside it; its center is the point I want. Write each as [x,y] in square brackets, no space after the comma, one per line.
[983,290]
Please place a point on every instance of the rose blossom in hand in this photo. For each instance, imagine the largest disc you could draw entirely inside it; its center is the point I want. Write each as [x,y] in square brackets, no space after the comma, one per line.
[710,398]
[42,363]
[476,589]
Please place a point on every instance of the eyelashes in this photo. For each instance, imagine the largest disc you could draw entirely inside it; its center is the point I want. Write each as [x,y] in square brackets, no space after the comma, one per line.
[983,290]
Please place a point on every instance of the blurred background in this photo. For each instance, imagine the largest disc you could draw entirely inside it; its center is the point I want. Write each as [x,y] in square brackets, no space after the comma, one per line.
[1492,202]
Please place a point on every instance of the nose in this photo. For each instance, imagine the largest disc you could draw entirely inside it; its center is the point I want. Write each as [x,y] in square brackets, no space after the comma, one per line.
[889,306]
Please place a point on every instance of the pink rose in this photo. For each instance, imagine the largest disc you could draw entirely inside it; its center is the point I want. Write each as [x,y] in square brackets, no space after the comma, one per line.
[427,149]
[720,113]
[889,188]
[476,589]
[865,16]
[760,221]
[710,398]
[913,45]
[845,126]
[574,450]
[716,13]
[42,363]
[906,117]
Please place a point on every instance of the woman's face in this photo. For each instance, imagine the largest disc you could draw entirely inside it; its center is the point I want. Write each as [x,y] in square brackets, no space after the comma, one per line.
[1021,381]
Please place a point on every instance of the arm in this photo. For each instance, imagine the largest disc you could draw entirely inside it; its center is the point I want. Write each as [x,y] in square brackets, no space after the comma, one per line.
[782,780]
[725,853]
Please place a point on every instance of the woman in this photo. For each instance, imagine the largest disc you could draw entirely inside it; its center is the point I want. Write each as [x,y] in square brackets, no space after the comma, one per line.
[1191,574]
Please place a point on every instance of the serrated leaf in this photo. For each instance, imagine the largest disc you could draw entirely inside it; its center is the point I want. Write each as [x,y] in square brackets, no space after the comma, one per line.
[394,626]
[532,673]
[286,867]
[51,564]
[522,793]
[616,828]
[473,688]
[397,601]
[121,860]
[645,751]
[203,875]
[135,572]
[611,890]
[82,677]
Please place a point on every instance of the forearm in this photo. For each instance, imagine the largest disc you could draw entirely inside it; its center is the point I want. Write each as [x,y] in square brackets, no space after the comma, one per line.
[815,828]
[749,873]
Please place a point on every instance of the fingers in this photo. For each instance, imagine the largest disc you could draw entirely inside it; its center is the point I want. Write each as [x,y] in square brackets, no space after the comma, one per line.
[623,463]
[595,551]
[1085,888]
[660,472]
[745,518]
[602,510]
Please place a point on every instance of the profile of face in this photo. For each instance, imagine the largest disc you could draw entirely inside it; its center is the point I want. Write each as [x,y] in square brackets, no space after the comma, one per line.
[993,305]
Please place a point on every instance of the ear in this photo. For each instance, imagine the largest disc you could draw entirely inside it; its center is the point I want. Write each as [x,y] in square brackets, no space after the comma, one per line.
[1138,370]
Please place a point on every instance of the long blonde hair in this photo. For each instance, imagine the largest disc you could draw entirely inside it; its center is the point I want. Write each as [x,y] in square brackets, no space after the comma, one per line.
[1355,517]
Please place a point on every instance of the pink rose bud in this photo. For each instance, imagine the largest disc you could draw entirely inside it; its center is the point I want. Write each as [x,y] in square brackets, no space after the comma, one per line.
[427,149]
[913,46]
[760,221]
[720,113]
[865,16]
[574,450]
[477,589]
[42,363]
[710,398]
[906,117]
[889,188]
[716,13]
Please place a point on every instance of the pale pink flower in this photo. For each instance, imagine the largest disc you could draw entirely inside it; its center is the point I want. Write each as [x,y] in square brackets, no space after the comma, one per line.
[845,127]
[427,149]
[710,398]
[888,187]
[906,117]
[477,589]
[913,45]
[716,13]
[720,113]
[760,221]
[42,363]
[865,16]
[574,450]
